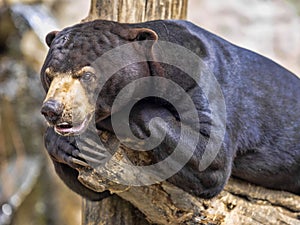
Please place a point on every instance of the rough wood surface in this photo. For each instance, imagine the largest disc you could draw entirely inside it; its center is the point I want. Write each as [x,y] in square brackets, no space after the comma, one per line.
[112,211]
[130,11]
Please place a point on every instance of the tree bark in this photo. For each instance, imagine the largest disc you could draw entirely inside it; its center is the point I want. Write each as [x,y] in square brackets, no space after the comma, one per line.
[129,11]
[112,211]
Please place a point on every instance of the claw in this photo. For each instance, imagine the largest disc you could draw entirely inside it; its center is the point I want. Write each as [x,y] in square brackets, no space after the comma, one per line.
[79,162]
[90,159]
[93,143]
[97,154]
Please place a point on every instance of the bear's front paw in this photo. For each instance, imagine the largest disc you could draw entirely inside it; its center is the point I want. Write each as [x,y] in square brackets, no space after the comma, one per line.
[63,149]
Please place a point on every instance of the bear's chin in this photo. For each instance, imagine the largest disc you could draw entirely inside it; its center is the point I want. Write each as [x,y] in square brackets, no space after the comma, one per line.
[69,129]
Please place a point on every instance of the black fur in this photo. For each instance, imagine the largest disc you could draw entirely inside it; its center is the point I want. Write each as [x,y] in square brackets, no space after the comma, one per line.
[262,140]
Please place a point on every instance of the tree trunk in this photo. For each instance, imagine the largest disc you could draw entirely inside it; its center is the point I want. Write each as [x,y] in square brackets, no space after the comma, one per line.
[115,210]
[111,211]
[129,11]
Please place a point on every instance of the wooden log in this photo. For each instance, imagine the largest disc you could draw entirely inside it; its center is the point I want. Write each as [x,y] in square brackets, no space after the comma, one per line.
[112,211]
[129,11]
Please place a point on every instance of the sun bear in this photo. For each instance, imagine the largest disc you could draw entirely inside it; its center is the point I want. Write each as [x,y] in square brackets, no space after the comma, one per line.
[261,143]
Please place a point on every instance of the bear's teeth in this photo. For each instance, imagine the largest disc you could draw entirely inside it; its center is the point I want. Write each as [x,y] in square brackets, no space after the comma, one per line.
[66,128]
[64,125]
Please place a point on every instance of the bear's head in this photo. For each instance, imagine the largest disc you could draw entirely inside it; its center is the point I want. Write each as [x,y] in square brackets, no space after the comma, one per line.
[71,80]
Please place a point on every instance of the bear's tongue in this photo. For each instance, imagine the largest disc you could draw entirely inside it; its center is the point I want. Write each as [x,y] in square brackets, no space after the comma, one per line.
[66,129]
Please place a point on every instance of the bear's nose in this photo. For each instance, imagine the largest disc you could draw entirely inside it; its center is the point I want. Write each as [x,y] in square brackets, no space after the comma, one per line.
[52,111]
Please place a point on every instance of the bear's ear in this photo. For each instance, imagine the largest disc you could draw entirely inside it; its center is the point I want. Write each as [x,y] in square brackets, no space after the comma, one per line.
[142,34]
[50,36]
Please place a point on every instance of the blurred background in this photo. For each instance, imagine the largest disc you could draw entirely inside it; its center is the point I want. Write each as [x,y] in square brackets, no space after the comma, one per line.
[30,192]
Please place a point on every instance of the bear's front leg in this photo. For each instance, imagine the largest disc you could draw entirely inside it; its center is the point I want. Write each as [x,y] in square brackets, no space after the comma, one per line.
[191,177]
[65,157]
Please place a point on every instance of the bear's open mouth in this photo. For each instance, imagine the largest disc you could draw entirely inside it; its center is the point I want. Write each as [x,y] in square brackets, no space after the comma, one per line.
[71,129]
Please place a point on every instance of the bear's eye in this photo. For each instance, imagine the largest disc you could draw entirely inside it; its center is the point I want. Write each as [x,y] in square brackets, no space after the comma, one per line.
[87,76]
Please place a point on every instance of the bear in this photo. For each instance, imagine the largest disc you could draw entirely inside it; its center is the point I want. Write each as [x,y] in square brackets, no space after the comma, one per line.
[261,143]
